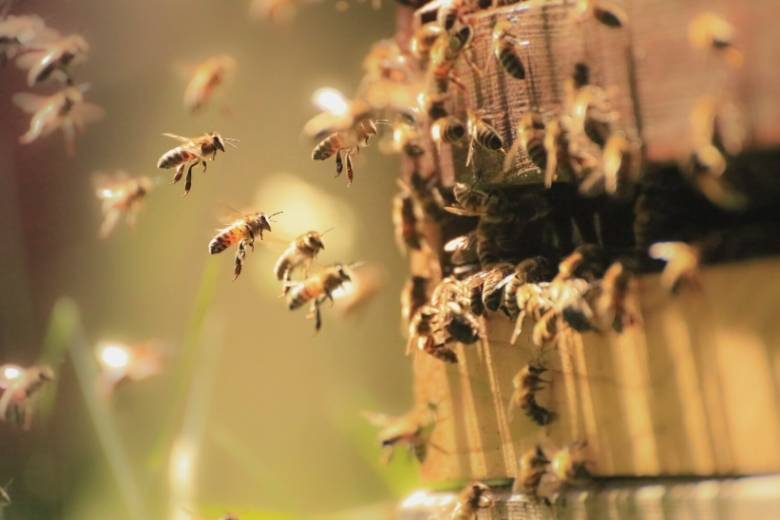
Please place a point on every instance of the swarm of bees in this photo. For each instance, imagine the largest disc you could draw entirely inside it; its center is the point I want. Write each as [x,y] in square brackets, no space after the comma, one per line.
[20,387]
[48,56]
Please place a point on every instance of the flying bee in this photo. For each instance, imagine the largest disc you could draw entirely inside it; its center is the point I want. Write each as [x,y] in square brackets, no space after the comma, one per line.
[19,33]
[606,12]
[120,196]
[530,270]
[412,430]
[413,296]
[19,387]
[526,383]
[243,232]
[316,289]
[207,77]
[406,222]
[570,465]
[472,498]
[614,302]
[710,31]
[344,145]
[682,264]
[530,140]
[449,129]
[192,151]
[482,134]
[530,470]
[66,110]
[120,363]
[504,48]
[54,59]
[533,300]
[495,280]
[365,282]
[300,253]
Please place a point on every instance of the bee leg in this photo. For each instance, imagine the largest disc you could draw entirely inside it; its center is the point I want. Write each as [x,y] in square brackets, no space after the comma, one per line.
[339,163]
[206,165]
[188,179]
[240,254]
[179,173]
[350,170]
[315,308]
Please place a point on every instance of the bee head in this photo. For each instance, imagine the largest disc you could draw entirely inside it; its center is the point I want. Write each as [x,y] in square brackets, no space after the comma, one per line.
[314,241]
[218,141]
[343,274]
[45,373]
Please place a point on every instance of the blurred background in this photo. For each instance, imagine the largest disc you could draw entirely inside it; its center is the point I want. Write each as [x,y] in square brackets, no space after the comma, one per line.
[255,414]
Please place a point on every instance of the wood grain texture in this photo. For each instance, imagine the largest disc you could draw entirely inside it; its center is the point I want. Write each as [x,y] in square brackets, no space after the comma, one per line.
[695,390]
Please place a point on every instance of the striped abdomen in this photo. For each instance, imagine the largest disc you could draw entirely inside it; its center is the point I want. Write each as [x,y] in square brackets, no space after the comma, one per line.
[510,61]
[227,237]
[327,147]
[486,136]
[449,130]
[175,157]
[303,292]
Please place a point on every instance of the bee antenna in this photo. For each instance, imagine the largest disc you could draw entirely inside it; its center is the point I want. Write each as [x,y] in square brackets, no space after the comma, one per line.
[231,141]
[355,265]
[272,215]
[327,231]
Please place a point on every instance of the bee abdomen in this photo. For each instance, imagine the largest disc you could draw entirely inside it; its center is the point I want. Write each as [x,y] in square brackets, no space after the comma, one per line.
[282,267]
[297,296]
[511,62]
[489,139]
[326,148]
[172,158]
[537,153]
[222,241]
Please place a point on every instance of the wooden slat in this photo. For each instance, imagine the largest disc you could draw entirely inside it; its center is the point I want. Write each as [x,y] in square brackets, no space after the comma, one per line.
[694,391]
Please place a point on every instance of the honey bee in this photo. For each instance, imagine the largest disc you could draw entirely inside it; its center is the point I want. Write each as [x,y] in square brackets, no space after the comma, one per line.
[19,33]
[533,300]
[20,386]
[531,468]
[587,261]
[412,430]
[406,222]
[710,31]
[619,156]
[682,264]
[192,151]
[120,363]
[505,51]
[242,231]
[316,289]
[366,281]
[66,110]
[572,302]
[569,464]
[482,134]
[472,498]
[449,129]
[422,41]
[495,280]
[413,296]
[446,51]
[423,335]
[54,59]
[426,195]
[530,140]
[463,253]
[434,105]
[527,382]
[120,195]
[207,77]
[344,145]
[614,301]
[606,12]
[530,270]
[300,253]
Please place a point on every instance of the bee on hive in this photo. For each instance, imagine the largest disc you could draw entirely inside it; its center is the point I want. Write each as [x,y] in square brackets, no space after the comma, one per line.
[472,498]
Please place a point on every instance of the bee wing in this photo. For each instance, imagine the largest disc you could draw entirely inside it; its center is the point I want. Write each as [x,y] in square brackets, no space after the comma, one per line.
[377,419]
[179,138]
[30,59]
[30,103]
[323,123]
[85,113]
[461,212]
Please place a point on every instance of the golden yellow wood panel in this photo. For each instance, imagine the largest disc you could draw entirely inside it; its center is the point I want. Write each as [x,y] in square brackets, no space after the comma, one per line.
[694,391]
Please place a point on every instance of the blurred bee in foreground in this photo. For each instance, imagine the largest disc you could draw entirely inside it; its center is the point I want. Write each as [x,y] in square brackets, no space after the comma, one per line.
[504,48]
[365,282]
[406,222]
[616,302]
[413,296]
[120,195]
[207,77]
[316,289]
[300,253]
[413,430]
[192,151]
[529,140]
[241,231]
[120,363]
[66,110]
[531,468]
[20,33]
[5,498]
[472,498]
[527,382]
[19,388]
[54,59]
[342,129]
[709,31]
[483,134]
[569,466]
[606,12]
[682,264]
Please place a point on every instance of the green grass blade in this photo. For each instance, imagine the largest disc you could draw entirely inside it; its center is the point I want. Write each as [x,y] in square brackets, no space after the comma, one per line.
[62,327]
[108,436]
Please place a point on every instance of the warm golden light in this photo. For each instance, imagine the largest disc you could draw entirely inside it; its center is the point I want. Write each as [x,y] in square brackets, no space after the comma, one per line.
[12,372]
[113,356]
[331,100]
